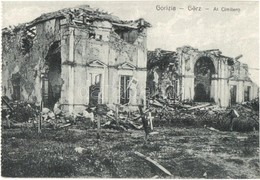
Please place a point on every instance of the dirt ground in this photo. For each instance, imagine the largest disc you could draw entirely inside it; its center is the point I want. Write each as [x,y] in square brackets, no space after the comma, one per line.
[185,152]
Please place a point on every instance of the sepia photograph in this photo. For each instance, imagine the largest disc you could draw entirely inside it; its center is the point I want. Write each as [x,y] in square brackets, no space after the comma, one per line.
[130,89]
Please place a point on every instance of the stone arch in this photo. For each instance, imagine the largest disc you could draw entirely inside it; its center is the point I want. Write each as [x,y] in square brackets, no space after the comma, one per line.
[203,70]
[206,55]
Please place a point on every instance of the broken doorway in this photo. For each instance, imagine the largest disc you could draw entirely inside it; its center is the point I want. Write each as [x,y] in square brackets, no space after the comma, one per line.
[200,93]
[233,94]
[203,71]
[95,96]
[52,82]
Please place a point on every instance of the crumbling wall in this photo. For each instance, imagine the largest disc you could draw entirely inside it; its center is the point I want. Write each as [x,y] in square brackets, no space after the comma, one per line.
[215,79]
[94,48]
[91,41]
[163,71]
[121,51]
[239,71]
[24,52]
[239,77]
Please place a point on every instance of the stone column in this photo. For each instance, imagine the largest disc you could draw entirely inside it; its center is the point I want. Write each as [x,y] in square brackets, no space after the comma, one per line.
[71,71]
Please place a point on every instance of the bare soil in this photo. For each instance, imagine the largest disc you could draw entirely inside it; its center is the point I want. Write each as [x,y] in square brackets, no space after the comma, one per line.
[185,152]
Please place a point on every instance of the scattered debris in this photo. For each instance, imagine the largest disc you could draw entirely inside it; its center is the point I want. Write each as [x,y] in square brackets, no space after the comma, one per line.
[66,125]
[155,177]
[200,106]
[213,129]
[153,133]
[154,163]
[79,149]
[47,114]
[170,73]
[205,175]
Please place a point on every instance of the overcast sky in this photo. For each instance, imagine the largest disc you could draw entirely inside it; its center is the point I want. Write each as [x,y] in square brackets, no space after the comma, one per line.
[231,32]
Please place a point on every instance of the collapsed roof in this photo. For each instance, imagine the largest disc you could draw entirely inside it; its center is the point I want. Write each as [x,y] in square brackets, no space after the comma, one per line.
[82,13]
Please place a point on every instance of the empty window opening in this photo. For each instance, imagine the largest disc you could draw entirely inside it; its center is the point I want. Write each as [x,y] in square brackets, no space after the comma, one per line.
[16,80]
[247,93]
[128,35]
[124,89]
[92,35]
[233,94]
[95,96]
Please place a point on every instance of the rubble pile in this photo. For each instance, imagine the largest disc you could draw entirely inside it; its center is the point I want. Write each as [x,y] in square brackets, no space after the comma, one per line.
[254,104]
[163,71]
[206,115]
[20,114]
[163,111]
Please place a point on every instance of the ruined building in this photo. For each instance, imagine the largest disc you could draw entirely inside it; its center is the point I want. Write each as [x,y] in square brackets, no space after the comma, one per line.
[81,56]
[202,76]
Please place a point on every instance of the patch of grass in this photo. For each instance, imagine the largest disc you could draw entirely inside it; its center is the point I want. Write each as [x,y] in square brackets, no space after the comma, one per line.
[37,165]
[152,147]
[247,151]
[176,133]
[185,140]
[14,144]
[196,167]
[52,153]
[237,161]
[175,154]
[249,144]
[122,146]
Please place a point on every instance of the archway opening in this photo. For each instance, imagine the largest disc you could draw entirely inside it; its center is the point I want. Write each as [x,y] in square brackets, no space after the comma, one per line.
[203,71]
[53,82]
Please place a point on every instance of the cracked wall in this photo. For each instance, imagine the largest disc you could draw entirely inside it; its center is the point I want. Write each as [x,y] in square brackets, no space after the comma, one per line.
[163,70]
[212,81]
[110,56]
[91,44]
[25,55]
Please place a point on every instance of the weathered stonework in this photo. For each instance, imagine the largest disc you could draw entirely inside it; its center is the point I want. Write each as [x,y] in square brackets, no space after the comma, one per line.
[205,76]
[71,51]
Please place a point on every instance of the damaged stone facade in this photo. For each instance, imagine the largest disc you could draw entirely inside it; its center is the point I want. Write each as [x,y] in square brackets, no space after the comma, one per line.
[81,56]
[202,76]
[162,77]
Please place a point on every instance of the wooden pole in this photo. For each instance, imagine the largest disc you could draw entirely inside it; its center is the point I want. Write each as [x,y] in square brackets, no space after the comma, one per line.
[40,120]
[41,106]
[145,123]
[154,163]
[117,118]
[150,117]
[98,126]
[8,121]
